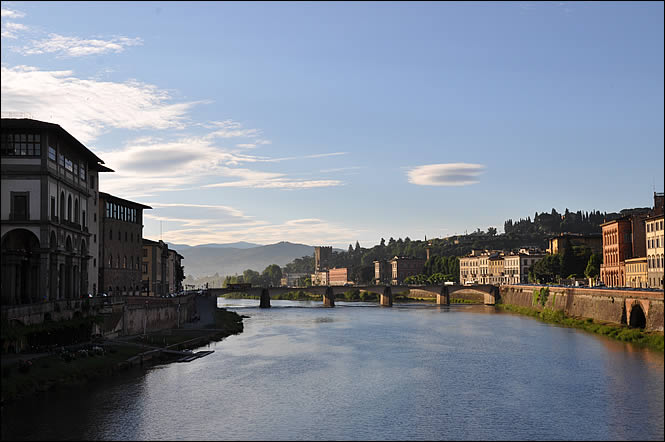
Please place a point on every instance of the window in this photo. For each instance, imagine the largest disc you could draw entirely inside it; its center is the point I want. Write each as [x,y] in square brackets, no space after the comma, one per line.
[111,234]
[119,236]
[124,262]
[94,262]
[92,182]
[145,268]
[94,238]
[145,253]
[94,217]
[110,262]
[62,206]
[69,165]
[20,145]
[76,211]
[125,236]
[84,221]
[108,209]
[53,215]
[76,169]
[61,160]
[82,172]
[69,208]
[51,154]
[19,206]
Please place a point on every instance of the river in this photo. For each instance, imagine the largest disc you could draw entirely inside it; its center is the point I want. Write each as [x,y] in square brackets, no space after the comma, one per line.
[360,371]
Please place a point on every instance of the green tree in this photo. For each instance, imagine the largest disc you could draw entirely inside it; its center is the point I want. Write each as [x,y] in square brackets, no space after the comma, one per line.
[491,231]
[252,277]
[593,267]
[546,270]
[272,275]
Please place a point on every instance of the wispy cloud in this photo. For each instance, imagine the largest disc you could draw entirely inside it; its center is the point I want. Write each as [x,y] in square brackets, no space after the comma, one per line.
[269,180]
[9,29]
[88,107]
[77,47]
[446,174]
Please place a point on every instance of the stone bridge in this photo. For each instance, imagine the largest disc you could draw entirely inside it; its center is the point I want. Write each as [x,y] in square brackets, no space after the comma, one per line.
[442,293]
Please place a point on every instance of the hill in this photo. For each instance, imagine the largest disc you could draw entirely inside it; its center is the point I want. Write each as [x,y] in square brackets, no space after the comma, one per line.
[208,259]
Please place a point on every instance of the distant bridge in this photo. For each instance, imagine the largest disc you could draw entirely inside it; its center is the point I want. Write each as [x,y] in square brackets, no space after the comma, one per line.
[442,293]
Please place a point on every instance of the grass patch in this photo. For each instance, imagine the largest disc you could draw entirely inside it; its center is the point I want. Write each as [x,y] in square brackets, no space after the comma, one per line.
[652,340]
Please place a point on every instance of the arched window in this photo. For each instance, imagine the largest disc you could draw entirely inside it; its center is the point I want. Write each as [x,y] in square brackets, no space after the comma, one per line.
[124,262]
[62,206]
[110,233]
[69,208]
[118,262]
[76,210]
[110,264]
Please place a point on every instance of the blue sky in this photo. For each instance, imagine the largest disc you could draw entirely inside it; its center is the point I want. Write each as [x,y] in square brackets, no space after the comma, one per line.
[327,123]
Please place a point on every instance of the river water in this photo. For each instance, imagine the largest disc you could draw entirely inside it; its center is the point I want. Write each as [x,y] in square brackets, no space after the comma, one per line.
[360,371]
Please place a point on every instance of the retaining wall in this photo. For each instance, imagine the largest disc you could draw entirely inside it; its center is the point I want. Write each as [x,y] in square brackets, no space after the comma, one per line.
[598,304]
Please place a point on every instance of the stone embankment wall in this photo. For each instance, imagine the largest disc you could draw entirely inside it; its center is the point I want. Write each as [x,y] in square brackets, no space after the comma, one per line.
[598,304]
[121,315]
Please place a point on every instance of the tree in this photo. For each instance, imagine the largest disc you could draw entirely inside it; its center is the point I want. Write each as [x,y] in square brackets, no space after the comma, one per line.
[546,270]
[593,267]
[272,275]
[252,277]
[491,231]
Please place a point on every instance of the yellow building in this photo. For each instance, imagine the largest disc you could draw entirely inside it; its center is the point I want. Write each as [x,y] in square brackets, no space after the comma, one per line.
[636,272]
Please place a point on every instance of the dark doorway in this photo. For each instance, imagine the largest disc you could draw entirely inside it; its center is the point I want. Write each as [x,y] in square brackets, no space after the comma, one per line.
[637,318]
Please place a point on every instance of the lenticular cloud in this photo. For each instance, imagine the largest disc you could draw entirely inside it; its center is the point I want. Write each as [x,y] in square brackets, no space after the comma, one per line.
[446,174]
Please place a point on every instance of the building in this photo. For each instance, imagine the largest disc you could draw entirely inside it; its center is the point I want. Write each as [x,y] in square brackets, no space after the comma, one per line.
[320,278]
[174,272]
[403,267]
[516,266]
[292,279]
[382,272]
[121,245]
[338,276]
[557,244]
[636,272]
[154,267]
[469,268]
[495,269]
[617,247]
[322,258]
[48,192]
[654,248]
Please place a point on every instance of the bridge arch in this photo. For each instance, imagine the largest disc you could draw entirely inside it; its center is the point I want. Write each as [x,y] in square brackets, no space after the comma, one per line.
[637,318]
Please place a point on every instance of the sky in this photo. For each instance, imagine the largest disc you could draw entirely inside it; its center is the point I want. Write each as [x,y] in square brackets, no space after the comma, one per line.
[327,123]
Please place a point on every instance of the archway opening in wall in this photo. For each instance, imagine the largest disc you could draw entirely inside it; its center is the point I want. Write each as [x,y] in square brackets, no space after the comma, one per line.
[637,317]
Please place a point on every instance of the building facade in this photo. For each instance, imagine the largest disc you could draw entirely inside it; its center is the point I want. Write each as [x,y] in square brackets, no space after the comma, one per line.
[175,272]
[617,247]
[338,276]
[495,268]
[654,251]
[382,272]
[121,245]
[154,264]
[45,205]
[320,278]
[292,279]
[403,267]
[322,257]
[636,272]
[557,244]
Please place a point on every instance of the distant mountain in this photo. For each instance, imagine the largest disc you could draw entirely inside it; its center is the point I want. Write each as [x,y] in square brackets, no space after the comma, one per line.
[206,260]
[233,245]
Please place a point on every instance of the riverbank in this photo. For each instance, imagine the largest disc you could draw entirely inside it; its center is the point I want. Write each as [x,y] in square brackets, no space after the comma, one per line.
[651,340]
[32,374]
[349,296]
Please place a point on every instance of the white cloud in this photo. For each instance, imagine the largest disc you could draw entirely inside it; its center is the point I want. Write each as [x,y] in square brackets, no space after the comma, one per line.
[269,180]
[447,174]
[86,108]
[9,13]
[77,47]
[9,29]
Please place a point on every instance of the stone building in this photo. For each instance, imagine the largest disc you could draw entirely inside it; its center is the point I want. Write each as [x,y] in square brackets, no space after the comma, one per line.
[403,267]
[655,249]
[382,272]
[338,276]
[154,267]
[517,265]
[121,245]
[46,200]
[174,272]
[469,267]
[636,272]
[557,244]
[320,278]
[322,257]
[617,247]
[495,269]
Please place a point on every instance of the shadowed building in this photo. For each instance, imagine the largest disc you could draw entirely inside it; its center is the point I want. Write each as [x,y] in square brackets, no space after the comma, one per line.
[338,276]
[47,197]
[174,271]
[382,272]
[403,267]
[557,244]
[121,245]
[322,256]
[154,268]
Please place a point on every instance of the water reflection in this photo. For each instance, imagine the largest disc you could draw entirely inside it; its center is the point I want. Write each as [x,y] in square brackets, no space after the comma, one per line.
[359,371]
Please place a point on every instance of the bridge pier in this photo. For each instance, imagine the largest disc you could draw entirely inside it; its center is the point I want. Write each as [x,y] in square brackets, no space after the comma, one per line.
[443,298]
[329,298]
[265,298]
[387,297]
